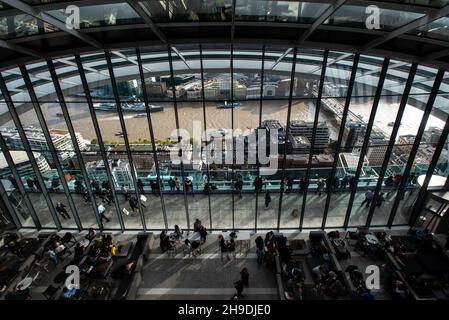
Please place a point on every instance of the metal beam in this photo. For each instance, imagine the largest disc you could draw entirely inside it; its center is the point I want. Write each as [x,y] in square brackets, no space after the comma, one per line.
[179,138]
[153,143]
[72,133]
[323,17]
[324,64]
[125,134]
[15,174]
[365,144]
[287,133]
[20,49]
[93,116]
[417,208]
[407,28]
[27,147]
[44,17]
[51,147]
[392,141]
[142,12]
[401,189]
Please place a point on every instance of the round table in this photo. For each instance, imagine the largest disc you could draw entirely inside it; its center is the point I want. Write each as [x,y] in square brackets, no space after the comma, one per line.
[372,239]
[24,283]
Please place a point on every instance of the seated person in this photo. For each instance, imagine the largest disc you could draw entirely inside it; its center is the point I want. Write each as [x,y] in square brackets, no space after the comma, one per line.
[321,270]
[334,235]
[197,225]
[297,274]
[103,256]
[178,232]
[222,244]
[231,246]
[335,288]
[400,290]
[90,235]
[92,254]
[107,240]
[368,295]
[73,293]
[60,249]
[124,269]
[293,290]
[203,233]
[79,251]
[15,248]
[164,241]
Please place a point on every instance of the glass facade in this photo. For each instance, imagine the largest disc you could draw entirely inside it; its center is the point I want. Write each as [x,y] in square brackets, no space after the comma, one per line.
[96,140]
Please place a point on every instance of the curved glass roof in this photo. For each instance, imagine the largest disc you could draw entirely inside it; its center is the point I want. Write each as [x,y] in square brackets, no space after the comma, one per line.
[410,30]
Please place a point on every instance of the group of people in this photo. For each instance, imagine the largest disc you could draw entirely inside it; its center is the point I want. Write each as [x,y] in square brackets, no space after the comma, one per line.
[227,247]
[56,249]
[100,251]
[266,248]
[168,241]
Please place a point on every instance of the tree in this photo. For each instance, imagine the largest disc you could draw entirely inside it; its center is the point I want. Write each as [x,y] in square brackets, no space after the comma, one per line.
[94,141]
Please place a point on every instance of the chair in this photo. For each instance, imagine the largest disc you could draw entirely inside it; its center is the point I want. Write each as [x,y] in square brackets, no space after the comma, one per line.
[171,251]
[50,292]
[68,240]
[188,248]
[195,248]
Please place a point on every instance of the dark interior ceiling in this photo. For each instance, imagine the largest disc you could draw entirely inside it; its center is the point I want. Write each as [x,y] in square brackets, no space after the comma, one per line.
[397,43]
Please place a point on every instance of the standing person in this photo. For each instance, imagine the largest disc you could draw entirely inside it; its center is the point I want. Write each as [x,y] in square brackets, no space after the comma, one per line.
[125,193]
[260,249]
[133,203]
[188,185]
[344,182]
[267,199]
[336,183]
[255,184]
[244,276]
[177,184]
[102,212]
[389,183]
[171,183]
[14,182]
[303,185]
[30,183]
[328,184]
[96,186]
[238,285]
[140,186]
[380,199]
[369,195]
[352,182]
[290,182]
[153,186]
[60,208]
[197,225]
[109,196]
[239,186]
[320,186]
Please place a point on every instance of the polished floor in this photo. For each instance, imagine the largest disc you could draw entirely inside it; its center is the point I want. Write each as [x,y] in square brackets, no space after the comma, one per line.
[220,214]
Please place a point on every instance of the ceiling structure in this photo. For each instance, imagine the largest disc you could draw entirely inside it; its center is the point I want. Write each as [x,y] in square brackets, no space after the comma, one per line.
[410,30]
